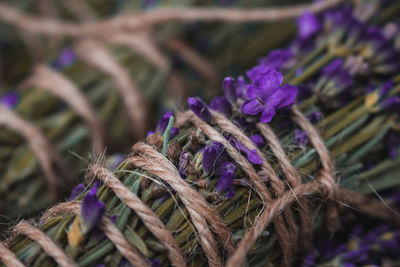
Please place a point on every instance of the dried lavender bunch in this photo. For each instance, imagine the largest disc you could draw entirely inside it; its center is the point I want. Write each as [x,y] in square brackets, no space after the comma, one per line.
[168,74]
[353,110]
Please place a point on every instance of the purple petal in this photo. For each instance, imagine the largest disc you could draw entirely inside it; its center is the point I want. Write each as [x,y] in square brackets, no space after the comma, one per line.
[163,123]
[290,93]
[174,132]
[223,167]
[269,81]
[252,107]
[229,86]
[77,191]
[308,25]
[10,99]
[253,157]
[221,104]
[199,108]
[92,210]
[225,182]
[253,91]
[241,88]
[267,115]
[258,140]
[211,154]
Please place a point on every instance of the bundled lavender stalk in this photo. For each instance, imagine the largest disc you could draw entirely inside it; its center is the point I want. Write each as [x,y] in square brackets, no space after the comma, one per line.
[247,178]
[78,102]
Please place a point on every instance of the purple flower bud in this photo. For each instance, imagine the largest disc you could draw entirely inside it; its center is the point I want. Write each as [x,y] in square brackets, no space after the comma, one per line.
[184,160]
[258,140]
[199,108]
[174,132]
[225,182]
[241,87]
[77,191]
[92,210]
[252,155]
[10,99]
[308,25]
[221,104]
[210,156]
[163,123]
[229,86]
[300,137]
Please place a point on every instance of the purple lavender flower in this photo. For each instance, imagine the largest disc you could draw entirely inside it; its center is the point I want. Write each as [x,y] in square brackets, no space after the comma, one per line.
[308,25]
[92,210]
[221,104]
[211,155]
[393,144]
[10,99]
[300,137]
[277,58]
[199,108]
[162,126]
[77,191]
[230,87]
[225,182]
[258,140]
[266,94]
[252,155]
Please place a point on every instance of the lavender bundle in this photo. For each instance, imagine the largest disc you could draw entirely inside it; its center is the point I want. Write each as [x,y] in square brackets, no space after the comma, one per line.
[77,101]
[248,177]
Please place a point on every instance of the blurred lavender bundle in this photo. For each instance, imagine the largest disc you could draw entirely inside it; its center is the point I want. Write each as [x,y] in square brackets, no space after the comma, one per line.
[252,176]
[81,95]
[360,241]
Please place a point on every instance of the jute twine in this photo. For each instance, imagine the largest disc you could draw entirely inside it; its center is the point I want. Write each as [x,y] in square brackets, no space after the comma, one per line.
[279,200]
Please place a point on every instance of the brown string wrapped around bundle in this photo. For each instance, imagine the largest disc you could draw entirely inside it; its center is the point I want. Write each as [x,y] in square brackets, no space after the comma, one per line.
[204,217]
